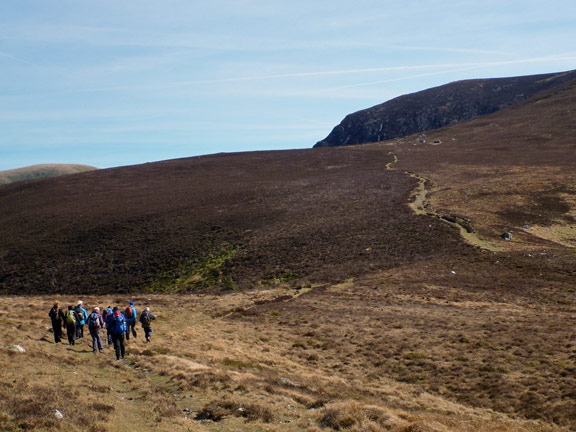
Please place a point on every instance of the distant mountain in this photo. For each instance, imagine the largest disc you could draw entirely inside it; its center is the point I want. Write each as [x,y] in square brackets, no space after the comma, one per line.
[41,171]
[438,107]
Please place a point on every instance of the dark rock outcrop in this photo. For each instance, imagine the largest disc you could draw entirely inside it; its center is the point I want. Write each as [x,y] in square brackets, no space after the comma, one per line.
[438,107]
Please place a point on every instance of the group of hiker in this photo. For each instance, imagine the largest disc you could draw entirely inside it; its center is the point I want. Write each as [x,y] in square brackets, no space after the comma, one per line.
[118,325]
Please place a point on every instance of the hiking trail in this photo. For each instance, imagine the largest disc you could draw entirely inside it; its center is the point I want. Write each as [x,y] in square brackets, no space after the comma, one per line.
[421,205]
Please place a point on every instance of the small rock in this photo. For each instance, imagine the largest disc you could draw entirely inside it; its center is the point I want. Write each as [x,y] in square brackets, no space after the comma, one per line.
[452,271]
[15,348]
[286,381]
[58,414]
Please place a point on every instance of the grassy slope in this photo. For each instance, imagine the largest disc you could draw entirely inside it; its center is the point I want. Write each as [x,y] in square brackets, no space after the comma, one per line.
[268,353]
[41,171]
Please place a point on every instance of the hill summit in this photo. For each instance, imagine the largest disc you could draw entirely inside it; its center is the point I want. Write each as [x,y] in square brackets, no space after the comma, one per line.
[438,107]
[41,171]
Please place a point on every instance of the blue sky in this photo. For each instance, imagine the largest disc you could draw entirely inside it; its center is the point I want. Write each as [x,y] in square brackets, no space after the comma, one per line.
[111,83]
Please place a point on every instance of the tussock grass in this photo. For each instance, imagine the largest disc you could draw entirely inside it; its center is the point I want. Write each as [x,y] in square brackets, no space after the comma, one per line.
[352,416]
[218,409]
[208,368]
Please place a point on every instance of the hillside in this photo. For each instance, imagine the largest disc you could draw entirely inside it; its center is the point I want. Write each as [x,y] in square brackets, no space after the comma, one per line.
[41,171]
[226,220]
[512,171]
[357,288]
[438,107]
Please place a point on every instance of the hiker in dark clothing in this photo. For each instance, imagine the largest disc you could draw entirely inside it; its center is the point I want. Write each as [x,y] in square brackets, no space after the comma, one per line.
[146,319]
[57,318]
[95,324]
[130,315]
[117,327]
[107,317]
[71,319]
[83,315]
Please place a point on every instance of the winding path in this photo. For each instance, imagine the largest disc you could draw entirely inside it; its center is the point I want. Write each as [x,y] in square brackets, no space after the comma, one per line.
[422,206]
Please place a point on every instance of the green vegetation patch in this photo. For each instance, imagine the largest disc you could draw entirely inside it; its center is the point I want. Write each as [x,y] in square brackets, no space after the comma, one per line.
[278,278]
[208,271]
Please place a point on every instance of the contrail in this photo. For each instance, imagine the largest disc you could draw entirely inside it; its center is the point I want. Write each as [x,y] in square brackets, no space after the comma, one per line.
[379,69]
[18,59]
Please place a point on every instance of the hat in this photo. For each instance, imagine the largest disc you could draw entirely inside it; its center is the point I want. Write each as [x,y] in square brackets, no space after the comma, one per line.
[131,303]
[79,301]
[147,308]
[97,309]
[117,313]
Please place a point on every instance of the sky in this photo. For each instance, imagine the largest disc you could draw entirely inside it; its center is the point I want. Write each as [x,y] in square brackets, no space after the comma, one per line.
[110,83]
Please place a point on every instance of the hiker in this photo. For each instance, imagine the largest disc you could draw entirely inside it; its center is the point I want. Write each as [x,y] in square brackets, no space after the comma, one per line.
[130,315]
[117,328]
[71,319]
[83,315]
[95,324]
[57,318]
[146,318]
[107,316]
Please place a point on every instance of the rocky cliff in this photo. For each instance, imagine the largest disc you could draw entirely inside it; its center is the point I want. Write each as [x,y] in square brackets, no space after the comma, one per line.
[437,107]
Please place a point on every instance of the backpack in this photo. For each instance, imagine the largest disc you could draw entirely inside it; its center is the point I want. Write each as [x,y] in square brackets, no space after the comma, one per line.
[70,320]
[93,321]
[81,314]
[117,326]
[145,318]
[129,312]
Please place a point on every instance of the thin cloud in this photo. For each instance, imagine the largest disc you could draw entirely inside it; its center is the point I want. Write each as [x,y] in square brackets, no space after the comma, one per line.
[469,66]
[466,66]
[455,50]
[17,59]
[440,70]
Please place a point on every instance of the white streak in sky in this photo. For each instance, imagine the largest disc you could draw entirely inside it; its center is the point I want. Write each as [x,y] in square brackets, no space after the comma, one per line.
[18,59]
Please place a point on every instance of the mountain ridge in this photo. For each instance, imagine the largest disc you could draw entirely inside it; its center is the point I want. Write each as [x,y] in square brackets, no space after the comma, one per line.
[438,107]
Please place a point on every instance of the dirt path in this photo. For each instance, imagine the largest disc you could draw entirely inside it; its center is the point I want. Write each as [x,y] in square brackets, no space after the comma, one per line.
[421,205]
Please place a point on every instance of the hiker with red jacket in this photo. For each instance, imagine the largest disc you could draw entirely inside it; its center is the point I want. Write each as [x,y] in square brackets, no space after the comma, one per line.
[146,318]
[95,324]
[117,328]
[130,315]
[57,318]
[71,319]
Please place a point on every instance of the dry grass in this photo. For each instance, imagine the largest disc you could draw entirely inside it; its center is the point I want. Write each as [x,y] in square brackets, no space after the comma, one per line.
[284,366]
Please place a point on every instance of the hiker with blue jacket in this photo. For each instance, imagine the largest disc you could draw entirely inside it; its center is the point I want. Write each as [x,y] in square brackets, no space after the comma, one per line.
[95,324]
[117,327]
[107,317]
[130,314]
[79,309]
